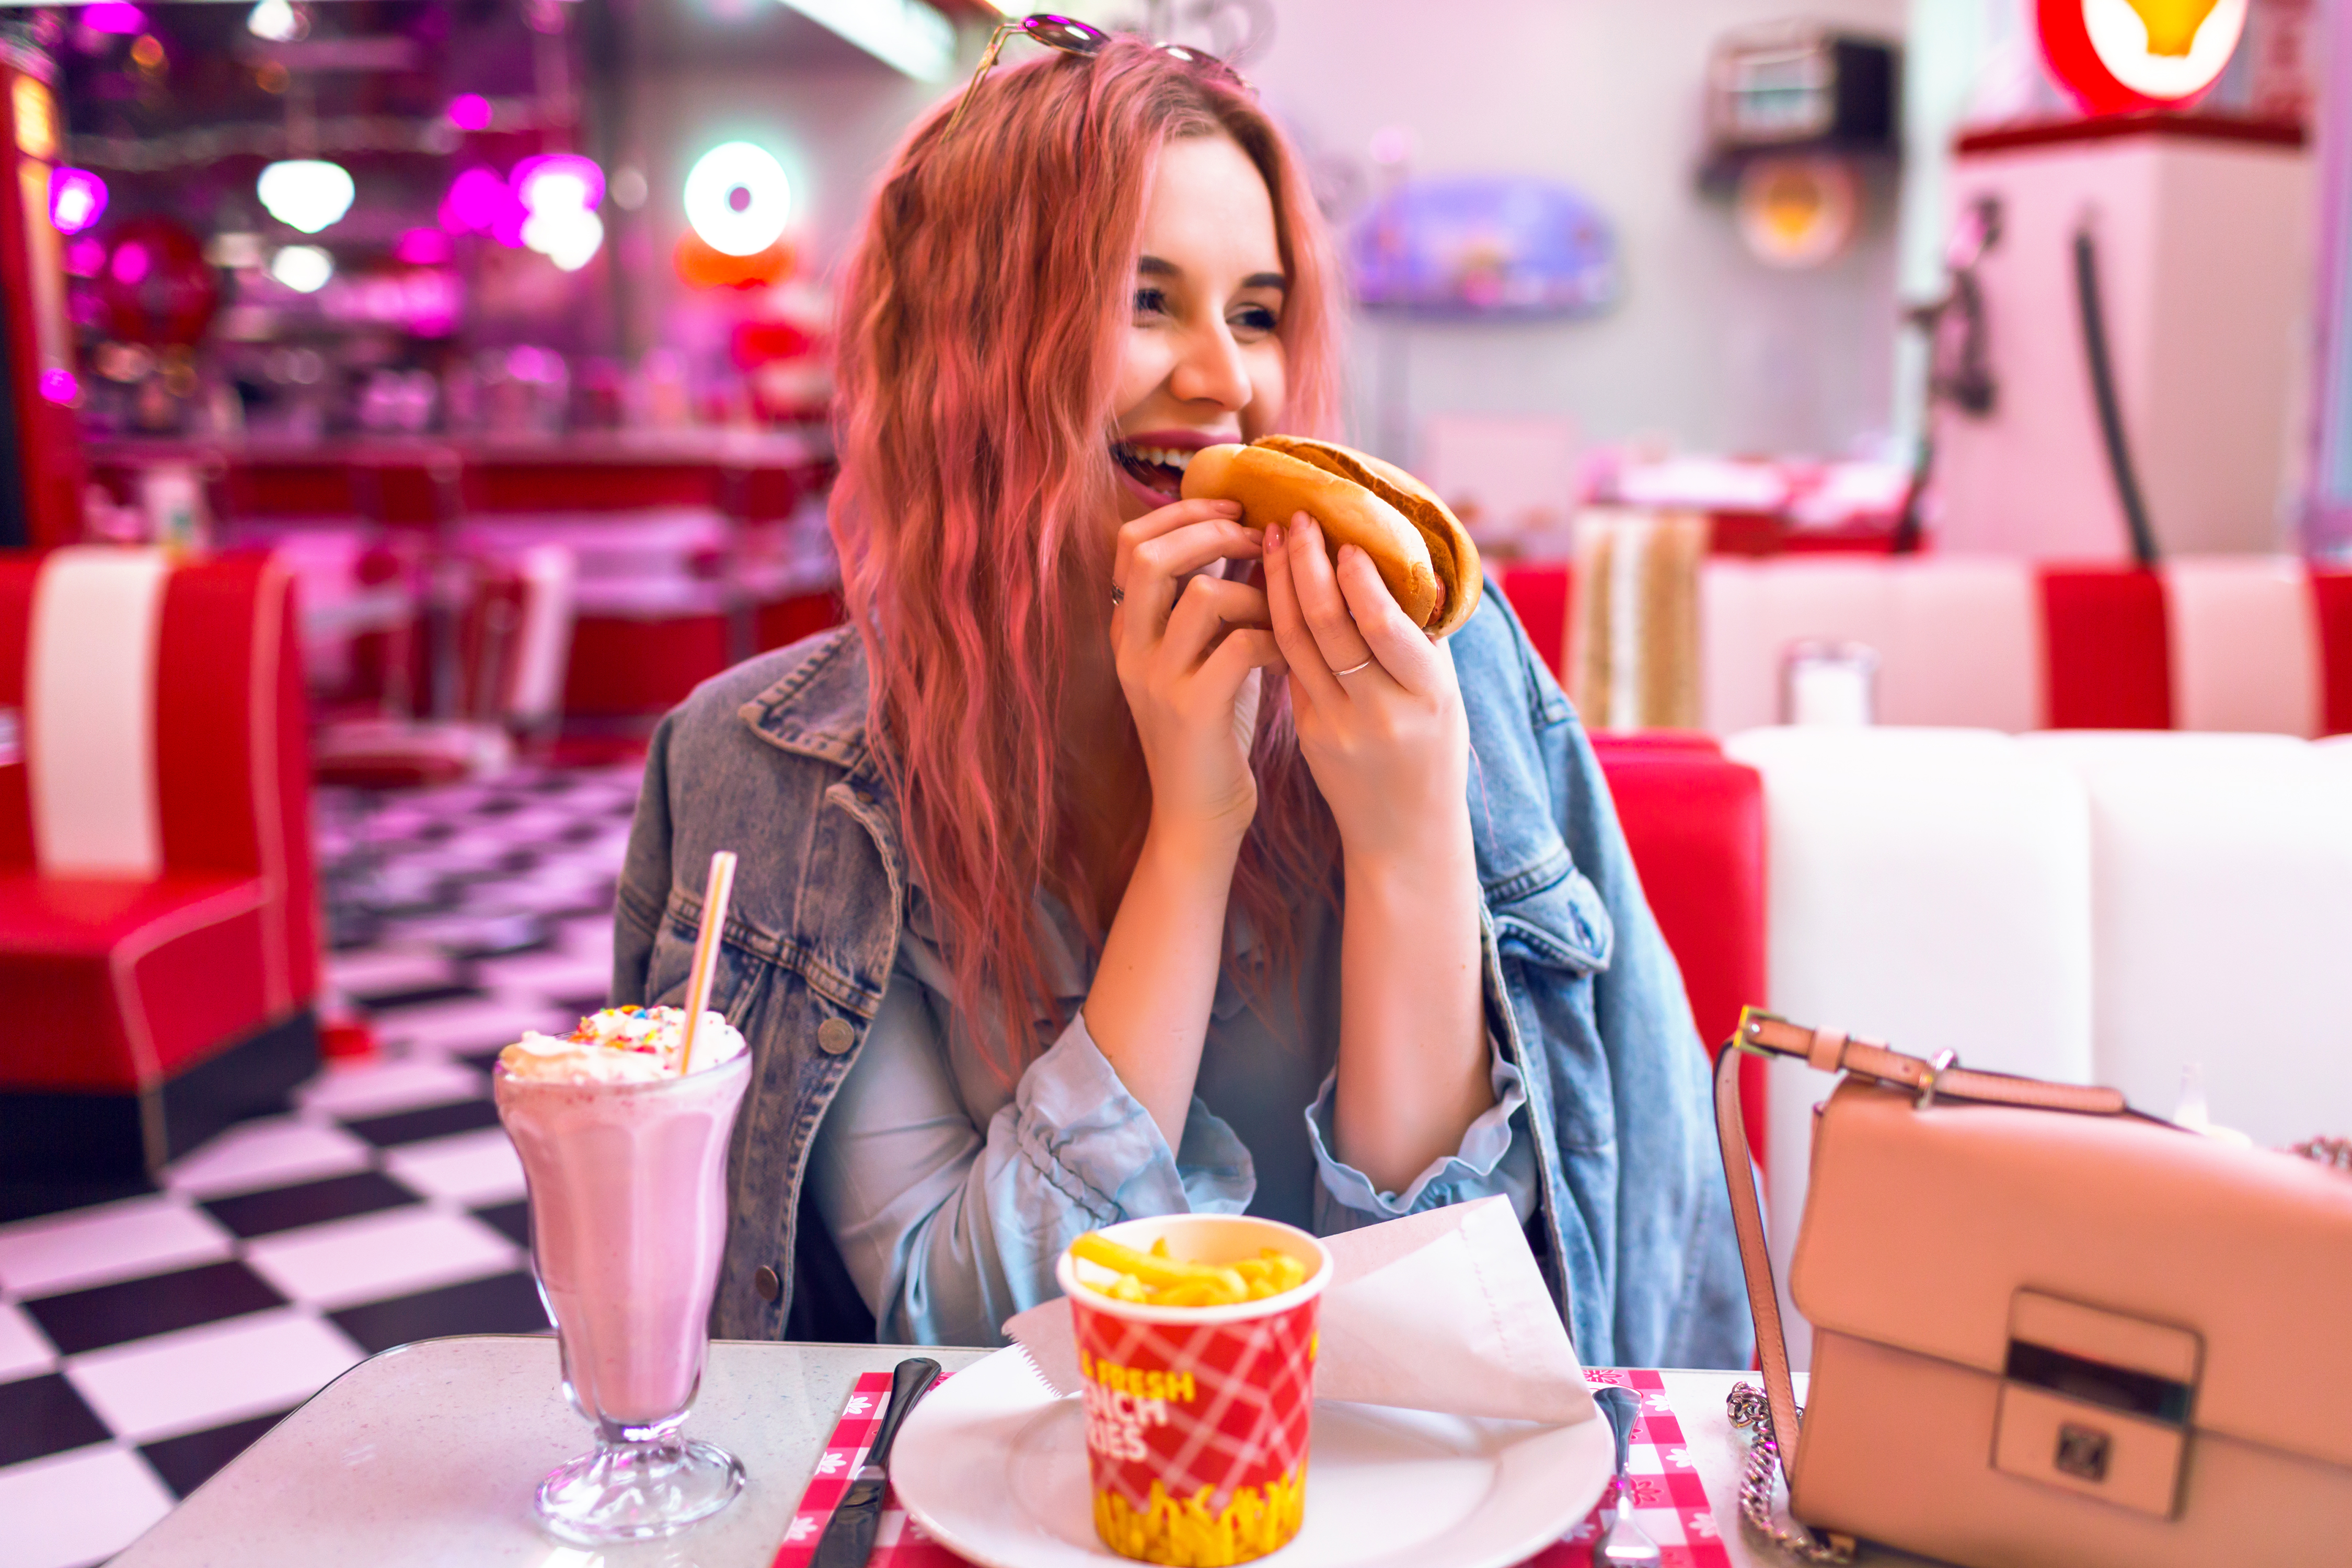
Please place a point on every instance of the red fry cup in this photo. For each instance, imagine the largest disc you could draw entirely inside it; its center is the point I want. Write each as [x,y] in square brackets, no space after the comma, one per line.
[1198,1417]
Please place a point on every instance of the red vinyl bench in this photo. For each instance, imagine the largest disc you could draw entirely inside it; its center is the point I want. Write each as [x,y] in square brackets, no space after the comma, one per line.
[1694,821]
[159,913]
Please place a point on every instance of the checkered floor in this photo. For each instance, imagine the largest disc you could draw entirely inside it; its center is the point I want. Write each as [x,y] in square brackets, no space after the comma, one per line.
[143,1342]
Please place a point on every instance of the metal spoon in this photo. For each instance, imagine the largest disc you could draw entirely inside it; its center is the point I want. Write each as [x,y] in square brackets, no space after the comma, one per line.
[1623,1543]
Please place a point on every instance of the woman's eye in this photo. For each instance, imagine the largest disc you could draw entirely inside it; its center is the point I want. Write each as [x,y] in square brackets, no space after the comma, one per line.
[1254,319]
[1150,302]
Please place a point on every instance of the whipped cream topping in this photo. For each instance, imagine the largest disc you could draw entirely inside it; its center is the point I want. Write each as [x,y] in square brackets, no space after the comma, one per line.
[622,1044]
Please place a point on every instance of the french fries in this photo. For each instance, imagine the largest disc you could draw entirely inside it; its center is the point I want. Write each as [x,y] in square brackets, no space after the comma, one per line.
[1182,1530]
[1154,1278]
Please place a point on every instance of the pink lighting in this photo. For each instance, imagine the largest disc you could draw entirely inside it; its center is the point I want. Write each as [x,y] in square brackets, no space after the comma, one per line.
[563,179]
[481,203]
[113,17]
[560,191]
[60,386]
[76,199]
[471,111]
[425,302]
[132,264]
[423,247]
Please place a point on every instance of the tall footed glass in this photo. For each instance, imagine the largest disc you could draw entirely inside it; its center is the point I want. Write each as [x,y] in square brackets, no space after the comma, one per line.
[628,1214]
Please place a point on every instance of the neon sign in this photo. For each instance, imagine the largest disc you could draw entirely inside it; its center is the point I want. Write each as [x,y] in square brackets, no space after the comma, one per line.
[2123,57]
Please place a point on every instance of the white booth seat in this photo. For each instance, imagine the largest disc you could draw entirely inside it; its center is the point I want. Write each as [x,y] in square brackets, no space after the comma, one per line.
[2221,900]
[1927,888]
[2244,636]
[1960,641]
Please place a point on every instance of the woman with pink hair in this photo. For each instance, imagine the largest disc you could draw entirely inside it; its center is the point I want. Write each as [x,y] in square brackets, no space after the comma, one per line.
[1116,860]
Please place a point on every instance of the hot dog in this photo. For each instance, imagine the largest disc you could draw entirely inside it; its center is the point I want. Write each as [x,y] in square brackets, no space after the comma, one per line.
[1422,551]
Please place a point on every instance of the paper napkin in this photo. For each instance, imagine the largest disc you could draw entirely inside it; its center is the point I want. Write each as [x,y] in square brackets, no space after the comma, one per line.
[1441,1310]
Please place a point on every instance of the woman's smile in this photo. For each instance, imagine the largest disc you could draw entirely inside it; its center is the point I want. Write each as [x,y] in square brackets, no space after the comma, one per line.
[1153,461]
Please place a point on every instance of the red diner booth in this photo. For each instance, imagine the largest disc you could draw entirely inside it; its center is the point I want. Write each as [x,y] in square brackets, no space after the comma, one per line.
[159,915]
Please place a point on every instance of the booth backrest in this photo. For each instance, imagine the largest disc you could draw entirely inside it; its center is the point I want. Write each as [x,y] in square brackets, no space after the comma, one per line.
[1930,888]
[1694,821]
[2222,906]
[2107,647]
[1957,642]
[2245,646]
[158,711]
[2254,644]
[2110,907]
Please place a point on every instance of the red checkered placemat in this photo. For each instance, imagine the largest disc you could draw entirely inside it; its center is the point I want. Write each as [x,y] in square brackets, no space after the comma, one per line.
[899,1542]
[1668,1502]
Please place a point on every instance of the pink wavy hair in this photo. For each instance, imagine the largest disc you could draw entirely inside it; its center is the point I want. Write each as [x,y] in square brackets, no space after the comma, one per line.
[982,311]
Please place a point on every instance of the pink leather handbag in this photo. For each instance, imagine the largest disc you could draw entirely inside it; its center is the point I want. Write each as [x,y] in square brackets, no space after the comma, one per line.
[2047,1330]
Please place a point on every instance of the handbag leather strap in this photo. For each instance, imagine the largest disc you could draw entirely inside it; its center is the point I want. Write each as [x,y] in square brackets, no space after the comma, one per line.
[1834,1051]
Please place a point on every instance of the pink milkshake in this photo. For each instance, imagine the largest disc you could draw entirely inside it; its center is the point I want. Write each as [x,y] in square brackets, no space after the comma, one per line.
[625,1160]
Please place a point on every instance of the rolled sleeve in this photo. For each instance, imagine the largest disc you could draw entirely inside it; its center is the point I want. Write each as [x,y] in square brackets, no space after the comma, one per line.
[948,1228]
[1088,1139]
[1493,1160]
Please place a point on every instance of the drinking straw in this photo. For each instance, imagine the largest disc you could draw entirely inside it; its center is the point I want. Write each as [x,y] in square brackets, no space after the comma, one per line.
[715,894]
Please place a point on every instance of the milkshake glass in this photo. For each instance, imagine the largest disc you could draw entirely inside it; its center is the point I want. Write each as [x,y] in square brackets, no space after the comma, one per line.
[626,1160]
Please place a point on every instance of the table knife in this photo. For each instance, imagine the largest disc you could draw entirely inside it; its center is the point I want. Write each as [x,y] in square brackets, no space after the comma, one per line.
[848,1538]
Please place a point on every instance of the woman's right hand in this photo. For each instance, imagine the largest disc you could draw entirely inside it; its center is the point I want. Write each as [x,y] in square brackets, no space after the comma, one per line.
[1190,648]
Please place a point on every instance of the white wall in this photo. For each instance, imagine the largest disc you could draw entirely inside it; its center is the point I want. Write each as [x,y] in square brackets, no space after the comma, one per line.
[1708,348]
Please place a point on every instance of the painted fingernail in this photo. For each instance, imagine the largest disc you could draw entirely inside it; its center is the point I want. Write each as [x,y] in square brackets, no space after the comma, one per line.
[1274,536]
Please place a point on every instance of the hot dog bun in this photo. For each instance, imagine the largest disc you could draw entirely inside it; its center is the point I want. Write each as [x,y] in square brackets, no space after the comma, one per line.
[1422,551]
[1451,552]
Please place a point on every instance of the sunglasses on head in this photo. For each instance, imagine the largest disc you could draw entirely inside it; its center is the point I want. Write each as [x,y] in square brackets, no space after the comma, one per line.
[1071,36]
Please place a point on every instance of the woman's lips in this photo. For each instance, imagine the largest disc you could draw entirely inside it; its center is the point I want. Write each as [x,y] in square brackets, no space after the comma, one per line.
[1151,496]
[1155,461]
[1142,467]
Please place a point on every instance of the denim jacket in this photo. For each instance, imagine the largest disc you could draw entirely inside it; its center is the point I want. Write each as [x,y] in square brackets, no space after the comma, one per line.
[770,759]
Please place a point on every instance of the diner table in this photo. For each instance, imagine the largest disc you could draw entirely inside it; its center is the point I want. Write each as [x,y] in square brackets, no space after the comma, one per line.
[428,1455]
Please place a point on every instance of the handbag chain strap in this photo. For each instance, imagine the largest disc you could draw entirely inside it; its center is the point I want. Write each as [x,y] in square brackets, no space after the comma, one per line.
[1750,1409]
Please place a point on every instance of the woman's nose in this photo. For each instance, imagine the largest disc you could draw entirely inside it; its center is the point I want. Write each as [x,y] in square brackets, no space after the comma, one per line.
[1211,369]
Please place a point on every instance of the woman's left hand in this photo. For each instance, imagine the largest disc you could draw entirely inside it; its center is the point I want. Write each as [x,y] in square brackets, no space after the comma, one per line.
[1378,704]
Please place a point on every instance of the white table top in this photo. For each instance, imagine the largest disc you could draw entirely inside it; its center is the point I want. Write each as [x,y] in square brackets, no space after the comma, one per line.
[428,1455]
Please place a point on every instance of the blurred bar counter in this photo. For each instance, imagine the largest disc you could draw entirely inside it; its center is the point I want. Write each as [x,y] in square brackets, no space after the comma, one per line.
[747,476]
[688,551]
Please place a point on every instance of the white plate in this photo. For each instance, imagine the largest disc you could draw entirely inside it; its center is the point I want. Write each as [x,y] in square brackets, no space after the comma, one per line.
[993,1466]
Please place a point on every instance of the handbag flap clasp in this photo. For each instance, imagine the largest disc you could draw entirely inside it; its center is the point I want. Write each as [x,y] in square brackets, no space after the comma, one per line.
[2096,1402]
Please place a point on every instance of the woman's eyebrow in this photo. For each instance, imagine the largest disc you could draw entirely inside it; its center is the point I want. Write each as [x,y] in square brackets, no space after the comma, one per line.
[1158,266]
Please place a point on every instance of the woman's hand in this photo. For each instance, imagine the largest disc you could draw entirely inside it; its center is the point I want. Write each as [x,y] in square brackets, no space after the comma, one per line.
[1189,650]
[1379,706]
[1380,724]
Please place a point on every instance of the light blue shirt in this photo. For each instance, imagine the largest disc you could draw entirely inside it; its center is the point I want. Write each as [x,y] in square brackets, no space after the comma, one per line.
[1632,1222]
[950,1193]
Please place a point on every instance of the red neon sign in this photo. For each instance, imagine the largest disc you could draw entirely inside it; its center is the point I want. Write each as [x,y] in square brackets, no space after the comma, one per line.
[2123,57]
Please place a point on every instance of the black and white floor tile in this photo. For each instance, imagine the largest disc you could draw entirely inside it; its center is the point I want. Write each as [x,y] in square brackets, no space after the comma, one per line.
[145,1342]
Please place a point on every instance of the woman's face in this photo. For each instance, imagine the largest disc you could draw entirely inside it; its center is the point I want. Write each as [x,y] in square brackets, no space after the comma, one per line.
[1201,362]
